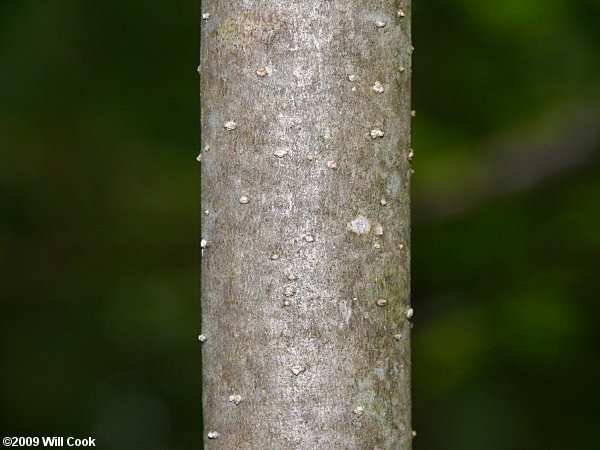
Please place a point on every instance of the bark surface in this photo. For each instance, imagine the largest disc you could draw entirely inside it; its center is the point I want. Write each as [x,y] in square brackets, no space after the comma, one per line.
[305,218]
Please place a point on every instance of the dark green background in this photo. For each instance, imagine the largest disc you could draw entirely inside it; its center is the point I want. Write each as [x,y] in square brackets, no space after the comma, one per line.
[100,222]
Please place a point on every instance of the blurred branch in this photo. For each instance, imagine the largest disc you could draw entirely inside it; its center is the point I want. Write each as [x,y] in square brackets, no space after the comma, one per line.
[562,138]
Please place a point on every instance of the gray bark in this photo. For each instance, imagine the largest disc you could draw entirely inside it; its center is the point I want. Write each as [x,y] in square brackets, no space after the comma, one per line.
[305,221]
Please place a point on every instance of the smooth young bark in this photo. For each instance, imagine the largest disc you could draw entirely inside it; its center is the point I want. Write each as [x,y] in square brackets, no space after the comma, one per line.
[305,218]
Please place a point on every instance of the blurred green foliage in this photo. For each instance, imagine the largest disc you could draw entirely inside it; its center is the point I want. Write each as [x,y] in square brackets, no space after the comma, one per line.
[100,222]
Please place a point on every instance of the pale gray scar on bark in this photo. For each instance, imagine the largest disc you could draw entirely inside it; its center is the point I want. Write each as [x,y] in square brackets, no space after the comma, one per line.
[360,225]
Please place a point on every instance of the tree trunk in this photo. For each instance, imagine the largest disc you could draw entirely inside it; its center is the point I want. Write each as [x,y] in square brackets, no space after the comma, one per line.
[305,224]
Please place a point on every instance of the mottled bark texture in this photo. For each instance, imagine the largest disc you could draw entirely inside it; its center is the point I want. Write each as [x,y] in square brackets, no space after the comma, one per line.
[305,217]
